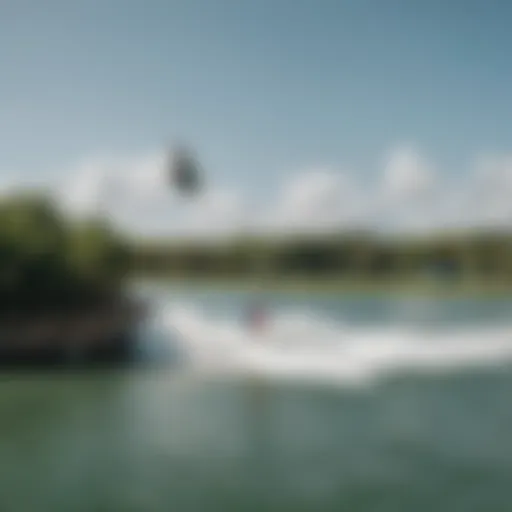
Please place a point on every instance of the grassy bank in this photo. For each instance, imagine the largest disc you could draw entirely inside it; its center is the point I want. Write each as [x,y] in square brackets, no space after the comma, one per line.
[337,286]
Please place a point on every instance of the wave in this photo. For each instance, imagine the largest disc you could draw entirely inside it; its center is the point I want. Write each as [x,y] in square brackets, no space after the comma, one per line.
[301,345]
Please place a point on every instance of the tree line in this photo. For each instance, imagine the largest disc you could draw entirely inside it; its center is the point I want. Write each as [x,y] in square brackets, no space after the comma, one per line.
[361,256]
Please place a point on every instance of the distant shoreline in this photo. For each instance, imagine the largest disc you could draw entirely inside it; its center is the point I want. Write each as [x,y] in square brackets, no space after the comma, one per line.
[331,286]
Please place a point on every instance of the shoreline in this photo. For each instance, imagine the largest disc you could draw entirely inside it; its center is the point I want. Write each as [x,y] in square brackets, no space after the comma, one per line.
[335,286]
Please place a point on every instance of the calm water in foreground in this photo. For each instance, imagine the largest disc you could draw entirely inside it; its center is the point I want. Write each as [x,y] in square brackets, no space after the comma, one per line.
[357,404]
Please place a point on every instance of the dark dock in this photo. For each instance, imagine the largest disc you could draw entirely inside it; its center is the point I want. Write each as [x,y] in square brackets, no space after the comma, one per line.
[105,335]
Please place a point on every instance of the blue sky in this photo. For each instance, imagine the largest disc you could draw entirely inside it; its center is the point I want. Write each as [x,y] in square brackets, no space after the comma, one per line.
[261,88]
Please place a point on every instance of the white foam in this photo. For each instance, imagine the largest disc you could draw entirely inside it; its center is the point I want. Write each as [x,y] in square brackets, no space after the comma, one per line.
[301,345]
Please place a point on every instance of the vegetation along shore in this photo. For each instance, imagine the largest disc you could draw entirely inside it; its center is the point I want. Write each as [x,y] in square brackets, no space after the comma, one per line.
[62,283]
[457,264]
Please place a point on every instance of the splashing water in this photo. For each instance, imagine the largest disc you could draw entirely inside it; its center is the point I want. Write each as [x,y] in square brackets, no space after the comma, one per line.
[304,346]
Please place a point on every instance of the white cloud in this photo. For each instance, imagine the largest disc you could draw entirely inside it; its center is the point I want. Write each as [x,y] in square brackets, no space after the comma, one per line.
[409,196]
[113,181]
[489,200]
[136,193]
[406,175]
[82,191]
[320,199]
[312,192]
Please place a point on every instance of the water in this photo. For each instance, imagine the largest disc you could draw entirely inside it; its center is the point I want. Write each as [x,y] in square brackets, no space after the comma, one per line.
[354,403]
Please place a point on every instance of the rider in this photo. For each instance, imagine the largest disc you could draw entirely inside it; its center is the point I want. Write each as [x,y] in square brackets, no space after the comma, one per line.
[256,317]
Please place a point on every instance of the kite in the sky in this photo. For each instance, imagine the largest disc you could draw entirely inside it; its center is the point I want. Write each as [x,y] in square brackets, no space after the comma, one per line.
[184,172]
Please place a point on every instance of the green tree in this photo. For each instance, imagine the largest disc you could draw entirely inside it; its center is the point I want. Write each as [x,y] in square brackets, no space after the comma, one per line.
[47,263]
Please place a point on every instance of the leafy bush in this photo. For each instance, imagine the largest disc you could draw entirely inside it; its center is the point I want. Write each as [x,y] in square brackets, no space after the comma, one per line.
[47,263]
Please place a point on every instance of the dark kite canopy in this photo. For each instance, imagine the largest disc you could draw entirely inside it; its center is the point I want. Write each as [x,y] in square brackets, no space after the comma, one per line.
[184,171]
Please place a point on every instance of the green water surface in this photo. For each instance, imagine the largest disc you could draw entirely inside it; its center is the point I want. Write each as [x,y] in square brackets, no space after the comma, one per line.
[161,439]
